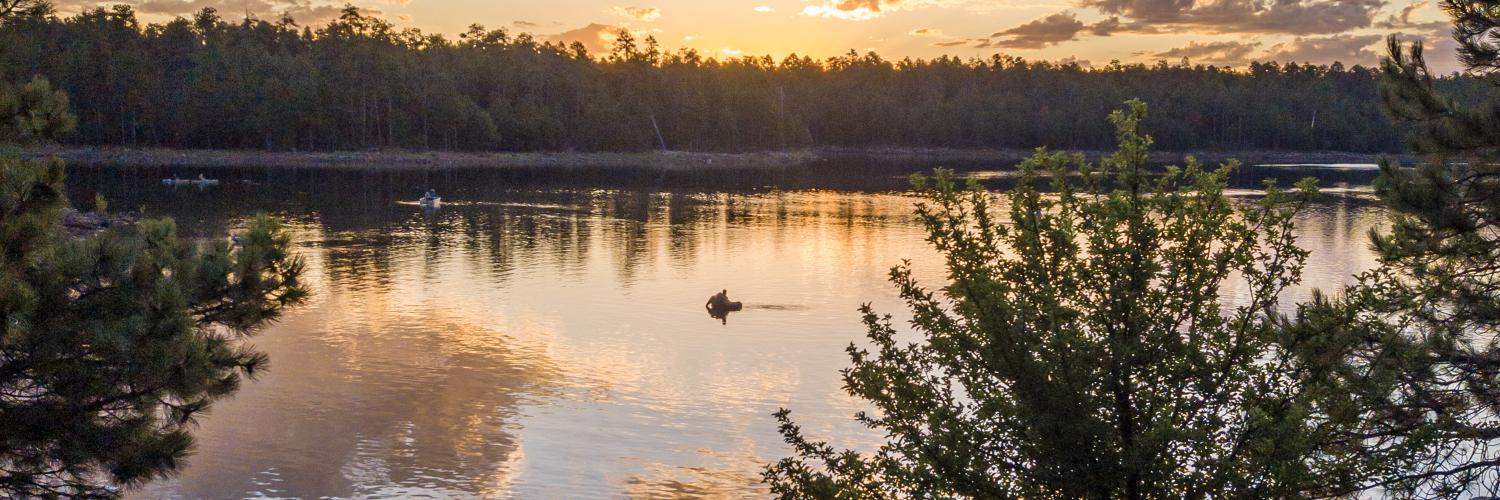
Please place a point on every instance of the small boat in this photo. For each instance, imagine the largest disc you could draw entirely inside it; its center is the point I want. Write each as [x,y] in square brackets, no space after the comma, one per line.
[201,181]
[430,201]
[720,310]
[720,303]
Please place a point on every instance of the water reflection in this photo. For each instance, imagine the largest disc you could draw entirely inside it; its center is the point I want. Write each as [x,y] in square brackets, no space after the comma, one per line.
[541,342]
[720,314]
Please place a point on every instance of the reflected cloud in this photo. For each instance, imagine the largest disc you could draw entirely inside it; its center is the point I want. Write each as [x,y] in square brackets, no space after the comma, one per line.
[539,341]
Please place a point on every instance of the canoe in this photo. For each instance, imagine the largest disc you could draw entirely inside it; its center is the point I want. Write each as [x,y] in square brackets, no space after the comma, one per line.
[726,307]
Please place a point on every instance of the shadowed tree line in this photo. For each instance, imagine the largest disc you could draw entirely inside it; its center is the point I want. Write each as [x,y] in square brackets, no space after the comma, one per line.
[358,82]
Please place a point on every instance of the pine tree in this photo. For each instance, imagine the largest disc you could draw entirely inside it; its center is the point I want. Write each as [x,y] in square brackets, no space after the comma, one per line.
[1084,347]
[1415,340]
[9,8]
[34,113]
[111,344]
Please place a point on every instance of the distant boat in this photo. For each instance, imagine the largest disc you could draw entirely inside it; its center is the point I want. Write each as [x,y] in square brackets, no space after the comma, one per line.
[201,181]
[430,201]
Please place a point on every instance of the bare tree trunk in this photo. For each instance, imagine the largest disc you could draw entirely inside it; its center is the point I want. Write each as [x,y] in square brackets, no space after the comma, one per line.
[364,111]
[659,140]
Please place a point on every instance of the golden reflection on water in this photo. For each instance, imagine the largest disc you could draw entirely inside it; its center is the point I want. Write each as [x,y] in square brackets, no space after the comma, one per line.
[555,345]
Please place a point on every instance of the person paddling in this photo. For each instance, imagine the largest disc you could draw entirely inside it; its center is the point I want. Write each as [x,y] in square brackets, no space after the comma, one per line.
[719,301]
[719,306]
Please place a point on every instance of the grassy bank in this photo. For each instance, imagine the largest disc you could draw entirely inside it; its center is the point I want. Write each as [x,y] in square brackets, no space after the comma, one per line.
[666,160]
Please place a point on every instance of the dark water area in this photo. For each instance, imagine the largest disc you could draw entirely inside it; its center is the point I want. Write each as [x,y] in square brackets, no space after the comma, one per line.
[358,192]
[542,334]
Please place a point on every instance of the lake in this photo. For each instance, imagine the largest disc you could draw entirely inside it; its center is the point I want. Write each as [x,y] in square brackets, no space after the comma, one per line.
[542,335]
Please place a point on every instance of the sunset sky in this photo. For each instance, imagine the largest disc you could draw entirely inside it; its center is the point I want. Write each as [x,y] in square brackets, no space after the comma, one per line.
[1093,31]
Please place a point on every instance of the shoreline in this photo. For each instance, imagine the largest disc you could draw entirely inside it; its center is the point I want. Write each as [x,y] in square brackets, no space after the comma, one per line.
[110,156]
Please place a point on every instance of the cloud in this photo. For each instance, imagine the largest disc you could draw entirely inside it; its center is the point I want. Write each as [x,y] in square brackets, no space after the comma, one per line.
[183,7]
[862,10]
[1403,20]
[1223,53]
[307,15]
[1038,33]
[1295,17]
[1441,51]
[1075,60]
[305,12]
[854,10]
[1441,54]
[597,38]
[642,14]
[926,32]
[1105,27]
[1348,49]
[951,43]
[763,9]
[523,24]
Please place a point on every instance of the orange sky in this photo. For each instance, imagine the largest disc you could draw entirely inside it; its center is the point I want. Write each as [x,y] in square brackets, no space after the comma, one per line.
[1097,31]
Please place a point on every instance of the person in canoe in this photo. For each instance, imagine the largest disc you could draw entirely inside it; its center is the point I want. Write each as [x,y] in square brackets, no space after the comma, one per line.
[719,306]
[721,302]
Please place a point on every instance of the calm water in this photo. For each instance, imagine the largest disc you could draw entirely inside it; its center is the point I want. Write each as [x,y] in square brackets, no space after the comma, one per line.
[543,336]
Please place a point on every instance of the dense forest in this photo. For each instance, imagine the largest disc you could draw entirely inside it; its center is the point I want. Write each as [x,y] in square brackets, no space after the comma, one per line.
[359,83]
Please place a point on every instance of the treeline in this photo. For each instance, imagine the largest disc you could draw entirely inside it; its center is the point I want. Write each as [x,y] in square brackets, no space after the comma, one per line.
[359,83]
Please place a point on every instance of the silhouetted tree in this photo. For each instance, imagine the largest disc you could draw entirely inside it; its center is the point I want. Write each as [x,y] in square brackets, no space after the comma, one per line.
[1083,348]
[1414,343]
[10,8]
[111,343]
